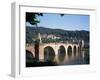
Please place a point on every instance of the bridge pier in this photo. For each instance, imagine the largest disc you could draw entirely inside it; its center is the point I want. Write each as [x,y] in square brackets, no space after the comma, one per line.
[56,59]
[41,53]
[77,51]
[72,51]
[56,53]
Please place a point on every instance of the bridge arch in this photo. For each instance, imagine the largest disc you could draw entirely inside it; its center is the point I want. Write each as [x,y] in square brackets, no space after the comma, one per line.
[61,52]
[69,51]
[75,50]
[30,48]
[29,52]
[49,53]
[29,56]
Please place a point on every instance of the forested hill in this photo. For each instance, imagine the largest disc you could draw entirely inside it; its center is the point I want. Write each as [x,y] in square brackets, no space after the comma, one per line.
[64,34]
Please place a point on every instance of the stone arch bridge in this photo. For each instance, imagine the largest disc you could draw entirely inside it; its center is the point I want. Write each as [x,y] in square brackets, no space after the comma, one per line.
[55,47]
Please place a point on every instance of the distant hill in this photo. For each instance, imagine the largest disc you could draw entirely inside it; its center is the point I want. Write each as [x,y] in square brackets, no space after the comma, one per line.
[31,33]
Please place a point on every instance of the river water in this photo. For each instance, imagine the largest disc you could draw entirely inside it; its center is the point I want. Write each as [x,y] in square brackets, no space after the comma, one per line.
[81,57]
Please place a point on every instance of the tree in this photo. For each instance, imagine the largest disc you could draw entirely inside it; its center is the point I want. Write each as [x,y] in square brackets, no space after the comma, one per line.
[32,18]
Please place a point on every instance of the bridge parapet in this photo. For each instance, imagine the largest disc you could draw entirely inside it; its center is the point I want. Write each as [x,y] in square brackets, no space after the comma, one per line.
[27,45]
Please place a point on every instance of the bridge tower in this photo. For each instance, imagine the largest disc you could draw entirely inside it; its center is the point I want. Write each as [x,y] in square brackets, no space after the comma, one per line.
[41,49]
[37,46]
[81,43]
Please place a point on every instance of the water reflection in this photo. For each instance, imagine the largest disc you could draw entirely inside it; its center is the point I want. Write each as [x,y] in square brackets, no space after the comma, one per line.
[69,51]
[64,57]
[71,58]
[85,56]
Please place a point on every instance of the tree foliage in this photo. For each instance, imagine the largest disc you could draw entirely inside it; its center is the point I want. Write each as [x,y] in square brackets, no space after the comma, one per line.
[32,17]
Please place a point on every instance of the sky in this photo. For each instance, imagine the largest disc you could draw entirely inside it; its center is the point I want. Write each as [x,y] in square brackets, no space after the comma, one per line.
[66,22]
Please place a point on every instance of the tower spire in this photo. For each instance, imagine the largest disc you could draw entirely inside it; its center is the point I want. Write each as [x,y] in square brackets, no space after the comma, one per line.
[39,37]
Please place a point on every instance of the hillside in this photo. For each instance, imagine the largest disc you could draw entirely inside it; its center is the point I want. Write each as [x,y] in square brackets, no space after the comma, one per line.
[31,33]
